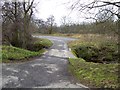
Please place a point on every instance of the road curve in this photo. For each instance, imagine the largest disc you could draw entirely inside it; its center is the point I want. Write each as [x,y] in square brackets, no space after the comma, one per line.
[48,71]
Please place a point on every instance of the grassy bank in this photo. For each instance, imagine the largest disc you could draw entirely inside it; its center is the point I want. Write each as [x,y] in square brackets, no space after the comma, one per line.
[97,63]
[44,42]
[94,74]
[11,53]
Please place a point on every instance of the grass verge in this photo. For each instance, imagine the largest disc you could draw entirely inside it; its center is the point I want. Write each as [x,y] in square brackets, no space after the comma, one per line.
[13,54]
[94,74]
[10,53]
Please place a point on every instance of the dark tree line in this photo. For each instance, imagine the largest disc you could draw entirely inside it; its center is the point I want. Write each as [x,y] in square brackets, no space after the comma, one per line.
[108,28]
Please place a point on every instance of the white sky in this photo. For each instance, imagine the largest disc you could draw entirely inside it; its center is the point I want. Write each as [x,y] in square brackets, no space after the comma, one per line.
[57,8]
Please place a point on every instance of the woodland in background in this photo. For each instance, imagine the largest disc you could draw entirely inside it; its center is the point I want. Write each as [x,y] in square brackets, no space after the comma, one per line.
[108,27]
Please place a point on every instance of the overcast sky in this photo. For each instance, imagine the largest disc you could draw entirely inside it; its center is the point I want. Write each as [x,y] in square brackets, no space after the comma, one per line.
[61,8]
[57,8]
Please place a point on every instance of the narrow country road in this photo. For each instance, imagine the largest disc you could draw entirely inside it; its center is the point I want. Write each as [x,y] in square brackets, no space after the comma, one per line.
[48,71]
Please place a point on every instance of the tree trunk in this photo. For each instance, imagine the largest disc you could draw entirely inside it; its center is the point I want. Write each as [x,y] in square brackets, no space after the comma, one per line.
[15,38]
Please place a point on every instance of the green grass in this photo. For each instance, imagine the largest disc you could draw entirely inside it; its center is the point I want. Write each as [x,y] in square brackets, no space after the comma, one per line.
[11,53]
[95,74]
[44,42]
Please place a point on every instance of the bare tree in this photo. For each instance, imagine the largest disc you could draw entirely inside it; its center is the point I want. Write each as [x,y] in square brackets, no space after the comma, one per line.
[42,25]
[28,11]
[88,6]
[16,19]
[11,15]
[66,20]
[63,20]
[50,22]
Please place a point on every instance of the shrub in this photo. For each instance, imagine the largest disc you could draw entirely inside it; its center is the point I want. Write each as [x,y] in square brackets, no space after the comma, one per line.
[101,53]
[39,44]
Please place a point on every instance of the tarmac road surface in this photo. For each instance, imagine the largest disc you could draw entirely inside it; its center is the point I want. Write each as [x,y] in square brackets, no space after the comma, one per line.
[48,71]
